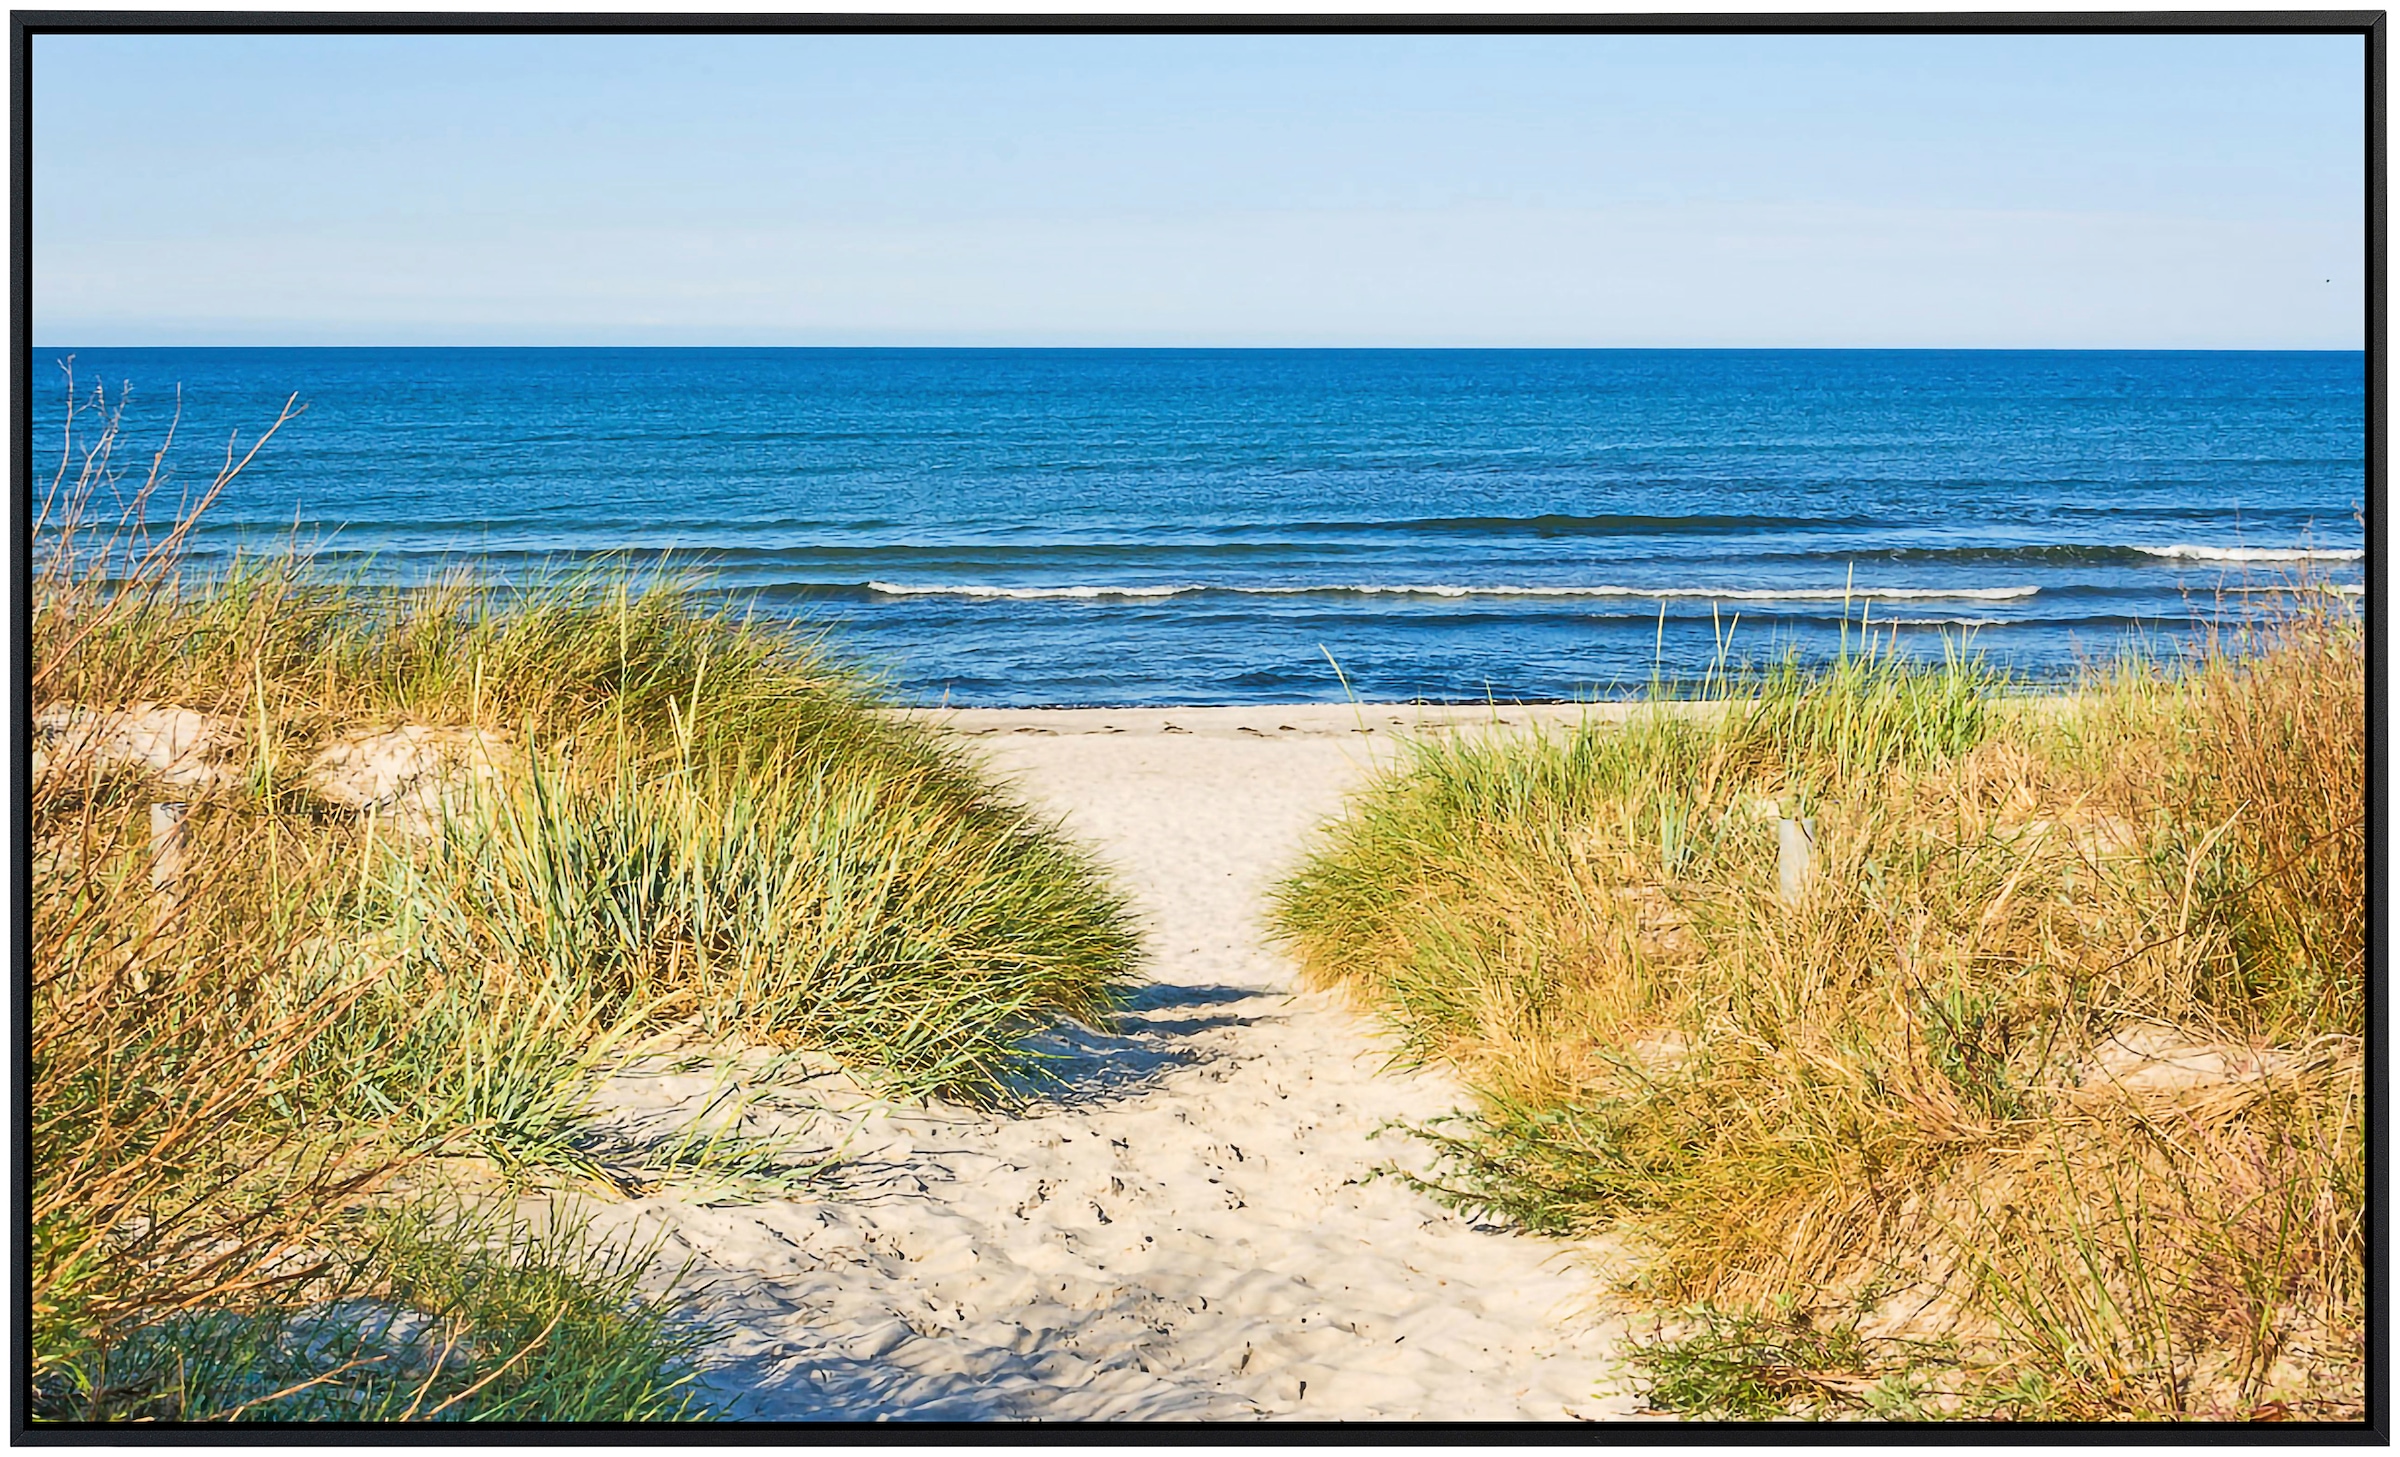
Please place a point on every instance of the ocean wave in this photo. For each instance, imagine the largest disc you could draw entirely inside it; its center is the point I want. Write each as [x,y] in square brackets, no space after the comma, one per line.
[896,589]
[2056,554]
[2339,589]
[1560,524]
[2184,551]
[1720,594]
[1938,622]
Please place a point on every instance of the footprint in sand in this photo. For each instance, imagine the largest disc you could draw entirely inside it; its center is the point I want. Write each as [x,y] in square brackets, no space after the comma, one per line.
[1195,1228]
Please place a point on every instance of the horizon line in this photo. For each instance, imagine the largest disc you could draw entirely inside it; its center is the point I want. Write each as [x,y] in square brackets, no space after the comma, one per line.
[1317,348]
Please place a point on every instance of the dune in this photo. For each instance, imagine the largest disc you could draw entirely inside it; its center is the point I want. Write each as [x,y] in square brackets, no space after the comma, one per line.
[1195,1222]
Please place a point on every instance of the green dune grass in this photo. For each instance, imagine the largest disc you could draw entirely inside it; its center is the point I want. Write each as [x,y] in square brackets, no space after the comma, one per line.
[694,823]
[1872,1137]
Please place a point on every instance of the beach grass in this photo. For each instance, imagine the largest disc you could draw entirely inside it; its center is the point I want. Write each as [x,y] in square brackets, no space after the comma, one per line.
[255,1040]
[2044,1053]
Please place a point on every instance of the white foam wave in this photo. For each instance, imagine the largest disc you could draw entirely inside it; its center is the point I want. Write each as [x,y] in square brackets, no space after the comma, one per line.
[2184,551]
[1718,594]
[971,589]
[1935,622]
[2339,589]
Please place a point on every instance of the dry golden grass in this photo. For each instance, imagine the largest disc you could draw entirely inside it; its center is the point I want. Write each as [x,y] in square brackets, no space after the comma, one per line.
[2060,1055]
[686,818]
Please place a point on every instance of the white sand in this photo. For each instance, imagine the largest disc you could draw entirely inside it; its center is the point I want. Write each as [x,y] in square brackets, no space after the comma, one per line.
[1194,1229]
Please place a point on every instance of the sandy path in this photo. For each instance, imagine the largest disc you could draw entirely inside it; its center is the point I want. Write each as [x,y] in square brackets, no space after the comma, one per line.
[1193,1230]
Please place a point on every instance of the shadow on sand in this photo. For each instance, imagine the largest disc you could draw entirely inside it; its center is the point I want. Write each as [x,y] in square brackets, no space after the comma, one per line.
[1084,1067]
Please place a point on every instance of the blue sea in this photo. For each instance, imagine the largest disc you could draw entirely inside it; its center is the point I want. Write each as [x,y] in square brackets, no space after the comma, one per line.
[1123,527]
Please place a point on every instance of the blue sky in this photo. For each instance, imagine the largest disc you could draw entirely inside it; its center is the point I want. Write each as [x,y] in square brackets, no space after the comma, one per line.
[1964,191]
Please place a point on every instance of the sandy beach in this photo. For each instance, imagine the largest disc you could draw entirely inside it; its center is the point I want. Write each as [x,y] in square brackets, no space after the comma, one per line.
[1192,1225]
[1765,802]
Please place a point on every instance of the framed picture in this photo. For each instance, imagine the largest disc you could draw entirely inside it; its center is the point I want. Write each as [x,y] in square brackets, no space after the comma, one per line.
[1447,720]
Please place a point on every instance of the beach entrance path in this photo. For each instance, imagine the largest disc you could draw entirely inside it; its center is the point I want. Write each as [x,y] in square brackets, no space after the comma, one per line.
[1193,1227]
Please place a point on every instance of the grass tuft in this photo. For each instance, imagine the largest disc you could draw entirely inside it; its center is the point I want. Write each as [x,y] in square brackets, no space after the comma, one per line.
[674,821]
[2057,1053]
[1775,1364]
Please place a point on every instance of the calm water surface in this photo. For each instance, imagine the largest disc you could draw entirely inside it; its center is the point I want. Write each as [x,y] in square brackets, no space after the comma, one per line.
[1198,526]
